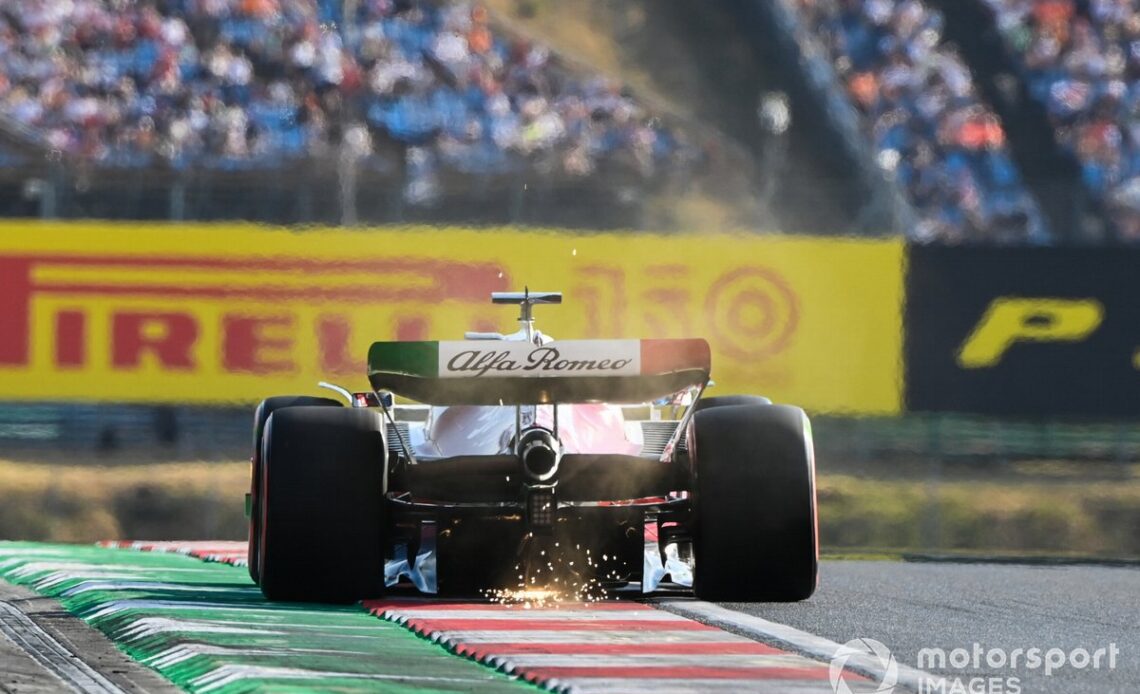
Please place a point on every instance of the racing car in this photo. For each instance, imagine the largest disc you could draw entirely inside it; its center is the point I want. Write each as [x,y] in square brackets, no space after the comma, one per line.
[527,460]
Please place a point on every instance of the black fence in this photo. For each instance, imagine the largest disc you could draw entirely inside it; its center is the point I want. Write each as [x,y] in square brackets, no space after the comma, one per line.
[325,192]
[117,432]
[113,433]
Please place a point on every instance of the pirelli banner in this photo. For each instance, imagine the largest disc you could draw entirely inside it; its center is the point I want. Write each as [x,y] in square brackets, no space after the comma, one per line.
[232,313]
[1024,331]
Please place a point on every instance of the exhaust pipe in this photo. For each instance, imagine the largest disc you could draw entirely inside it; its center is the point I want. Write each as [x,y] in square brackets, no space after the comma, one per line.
[539,454]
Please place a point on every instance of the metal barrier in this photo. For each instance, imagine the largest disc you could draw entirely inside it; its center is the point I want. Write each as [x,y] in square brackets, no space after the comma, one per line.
[93,432]
[949,437]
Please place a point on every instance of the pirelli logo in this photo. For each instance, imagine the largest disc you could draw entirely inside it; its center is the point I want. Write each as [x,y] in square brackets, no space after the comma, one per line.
[96,319]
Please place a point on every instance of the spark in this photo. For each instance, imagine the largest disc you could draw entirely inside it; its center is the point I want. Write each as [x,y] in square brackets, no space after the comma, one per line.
[529,598]
[554,582]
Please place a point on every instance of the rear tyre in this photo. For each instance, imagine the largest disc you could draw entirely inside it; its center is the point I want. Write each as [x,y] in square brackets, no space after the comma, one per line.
[755,534]
[260,417]
[728,400]
[323,477]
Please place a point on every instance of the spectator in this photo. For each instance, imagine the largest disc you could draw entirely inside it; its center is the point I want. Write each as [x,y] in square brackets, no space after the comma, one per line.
[241,83]
[1082,61]
[922,113]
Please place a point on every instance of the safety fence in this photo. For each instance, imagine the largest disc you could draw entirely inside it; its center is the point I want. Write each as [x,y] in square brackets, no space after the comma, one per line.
[89,432]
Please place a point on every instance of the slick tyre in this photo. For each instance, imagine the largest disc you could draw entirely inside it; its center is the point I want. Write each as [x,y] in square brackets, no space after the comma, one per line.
[260,416]
[728,400]
[755,534]
[323,478]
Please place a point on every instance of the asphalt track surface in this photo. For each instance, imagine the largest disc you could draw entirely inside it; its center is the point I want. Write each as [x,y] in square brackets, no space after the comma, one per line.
[905,606]
[910,606]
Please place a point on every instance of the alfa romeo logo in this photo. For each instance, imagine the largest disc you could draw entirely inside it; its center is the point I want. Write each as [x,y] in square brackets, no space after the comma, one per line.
[840,675]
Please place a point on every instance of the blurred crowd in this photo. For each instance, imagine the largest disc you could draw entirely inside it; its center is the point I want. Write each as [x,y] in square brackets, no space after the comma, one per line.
[440,76]
[251,83]
[929,127]
[1082,60]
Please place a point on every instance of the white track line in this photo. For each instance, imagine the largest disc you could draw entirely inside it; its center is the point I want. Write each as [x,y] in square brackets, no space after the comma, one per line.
[587,635]
[533,661]
[609,685]
[530,615]
[790,638]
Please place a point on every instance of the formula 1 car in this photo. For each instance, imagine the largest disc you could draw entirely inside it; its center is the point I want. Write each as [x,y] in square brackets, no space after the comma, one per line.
[526,465]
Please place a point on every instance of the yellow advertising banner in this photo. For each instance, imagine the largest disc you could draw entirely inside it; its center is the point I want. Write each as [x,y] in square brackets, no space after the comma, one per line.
[233,313]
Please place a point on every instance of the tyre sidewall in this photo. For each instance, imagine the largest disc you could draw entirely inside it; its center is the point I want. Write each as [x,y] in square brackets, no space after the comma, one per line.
[322,530]
[260,417]
[754,526]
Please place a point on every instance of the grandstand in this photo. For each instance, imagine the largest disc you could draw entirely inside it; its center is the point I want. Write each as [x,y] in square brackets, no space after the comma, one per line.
[1081,62]
[427,99]
[300,110]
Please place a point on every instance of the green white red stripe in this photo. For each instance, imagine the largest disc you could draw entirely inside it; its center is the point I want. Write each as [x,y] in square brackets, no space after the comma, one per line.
[559,359]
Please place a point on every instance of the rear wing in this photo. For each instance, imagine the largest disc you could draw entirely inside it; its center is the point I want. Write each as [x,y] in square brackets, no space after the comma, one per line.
[522,373]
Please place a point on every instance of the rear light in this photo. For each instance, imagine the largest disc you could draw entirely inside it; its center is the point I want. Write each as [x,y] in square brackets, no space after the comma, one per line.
[540,507]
